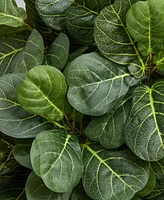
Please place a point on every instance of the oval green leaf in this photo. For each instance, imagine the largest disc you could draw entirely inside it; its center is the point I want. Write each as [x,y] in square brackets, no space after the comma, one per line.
[56,157]
[97,84]
[144,130]
[43,92]
[113,39]
[113,174]
[36,189]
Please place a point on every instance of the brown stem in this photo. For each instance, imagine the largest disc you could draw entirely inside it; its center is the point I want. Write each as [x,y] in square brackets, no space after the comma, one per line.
[149,68]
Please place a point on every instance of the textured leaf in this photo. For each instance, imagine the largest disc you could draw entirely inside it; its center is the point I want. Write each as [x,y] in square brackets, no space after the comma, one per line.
[9,47]
[158,60]
[35,189]
[22,154]
[80,18]
[43,92]
[96,84]
[113,40]
[12,186]
[145,128]
[31,55]
[56,158]
[58,52]
[145,24]
[14,121]
[108,129]
[10,14]
[112,174]
[53,12]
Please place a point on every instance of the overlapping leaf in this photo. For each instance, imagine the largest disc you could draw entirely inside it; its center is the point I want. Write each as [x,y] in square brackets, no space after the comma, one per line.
[36,189]
[43,92]
[58,52]
[80,19]
[14,121]
[145,128]
[56,157]
[113,40]
[108,129]
[53,12]
[9,47]
[112,174]
[31,55]
[97,84]
[145,23]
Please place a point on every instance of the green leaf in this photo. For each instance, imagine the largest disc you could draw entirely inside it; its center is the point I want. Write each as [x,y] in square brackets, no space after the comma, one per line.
[113,39]
[11,15]
[97,84]
[13,185]
[31,55]
[58,52]
[9,47]
[145,129]
[80,19]
[56,157]
[43,92]
[145,24]
[35,189]
[108,129]
[53,12]
[112,174]
[22,154]
[158,60]
[14,121]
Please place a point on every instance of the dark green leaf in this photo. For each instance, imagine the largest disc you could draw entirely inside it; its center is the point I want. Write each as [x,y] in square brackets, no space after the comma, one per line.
[56,157]
[43,92]
[97,84]
[113,40]
[158,59]
[31,55]
[35,189]
[145,24]
[58,52]
[53,12]
[145,127]
[112,174]
[14,121]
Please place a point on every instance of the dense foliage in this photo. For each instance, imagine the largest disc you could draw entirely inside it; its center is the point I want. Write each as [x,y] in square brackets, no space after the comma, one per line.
[82,100]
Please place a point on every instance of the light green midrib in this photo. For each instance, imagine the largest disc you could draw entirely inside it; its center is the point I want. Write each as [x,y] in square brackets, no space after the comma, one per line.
[19,19]
[103,162]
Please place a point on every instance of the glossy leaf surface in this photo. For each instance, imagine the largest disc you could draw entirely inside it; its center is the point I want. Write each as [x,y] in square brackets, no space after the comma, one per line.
[97,84]
[56,157]
[112,174]
[146,121]
[43,92]
[113,40]
[36,189]
[145,23]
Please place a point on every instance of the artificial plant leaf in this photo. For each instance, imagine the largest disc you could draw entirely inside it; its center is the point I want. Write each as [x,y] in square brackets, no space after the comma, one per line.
[113,39]
[145,23]
[158,60]
[11,15]
[14,121]
[43,92]
[21,154]
[80,19]
[31,55]
[58,52]
[36,189]
[144,130]
[108,129]
[79,193]
[53,12]
[56,157]
[9,47]
[112,174]
[13,185]
[97,84]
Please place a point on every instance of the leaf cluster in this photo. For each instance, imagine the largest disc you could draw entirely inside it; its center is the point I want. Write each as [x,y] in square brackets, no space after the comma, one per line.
[82,100]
